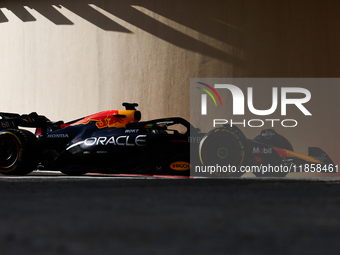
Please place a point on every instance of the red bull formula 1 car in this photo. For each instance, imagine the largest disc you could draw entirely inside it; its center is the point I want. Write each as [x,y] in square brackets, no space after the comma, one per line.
[117,141]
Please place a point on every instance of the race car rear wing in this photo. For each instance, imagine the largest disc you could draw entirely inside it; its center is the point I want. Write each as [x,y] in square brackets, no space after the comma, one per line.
[319,154]
[14,120]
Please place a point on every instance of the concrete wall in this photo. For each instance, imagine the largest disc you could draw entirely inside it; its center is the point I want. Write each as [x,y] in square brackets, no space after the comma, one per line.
[71,58]
[66,59]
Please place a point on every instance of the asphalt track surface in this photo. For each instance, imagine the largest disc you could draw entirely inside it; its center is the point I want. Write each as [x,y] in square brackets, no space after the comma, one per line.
[103,214]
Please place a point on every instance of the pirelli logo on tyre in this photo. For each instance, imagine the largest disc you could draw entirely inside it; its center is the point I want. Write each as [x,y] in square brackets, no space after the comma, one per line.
[180,166]
[224,146]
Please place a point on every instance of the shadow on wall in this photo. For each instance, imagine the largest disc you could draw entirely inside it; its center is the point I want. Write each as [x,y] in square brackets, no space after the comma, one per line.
[285,38]
[198,16]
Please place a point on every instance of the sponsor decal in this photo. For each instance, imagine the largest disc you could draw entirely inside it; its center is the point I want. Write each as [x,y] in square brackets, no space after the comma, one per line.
[123,140]
[192,139]
[102,119]
[180,166]
[268,134]
[323,157]
[131,131]
[262,150]
[57,136]
[7,124]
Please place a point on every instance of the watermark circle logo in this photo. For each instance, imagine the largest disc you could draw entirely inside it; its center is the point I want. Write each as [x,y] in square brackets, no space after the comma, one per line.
[204,96]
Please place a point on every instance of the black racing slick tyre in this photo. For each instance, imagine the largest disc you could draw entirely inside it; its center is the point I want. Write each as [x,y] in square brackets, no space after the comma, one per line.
[226,149]
[18,152]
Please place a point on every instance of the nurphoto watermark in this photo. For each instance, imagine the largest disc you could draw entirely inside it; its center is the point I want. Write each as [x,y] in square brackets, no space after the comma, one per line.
[264,126]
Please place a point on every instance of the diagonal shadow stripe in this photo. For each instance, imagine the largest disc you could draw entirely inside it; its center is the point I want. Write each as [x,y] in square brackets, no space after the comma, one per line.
[52,14]
[21,12]
[46,9]
[123,10]
[94,17]
[210,25]
[3,17]
[126,12]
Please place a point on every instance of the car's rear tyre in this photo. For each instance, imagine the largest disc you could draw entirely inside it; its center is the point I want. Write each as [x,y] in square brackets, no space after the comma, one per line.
[227,148]
[18,152]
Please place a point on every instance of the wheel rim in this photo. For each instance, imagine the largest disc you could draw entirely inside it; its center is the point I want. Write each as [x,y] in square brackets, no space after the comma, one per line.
[9,152]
